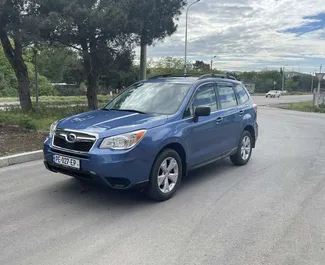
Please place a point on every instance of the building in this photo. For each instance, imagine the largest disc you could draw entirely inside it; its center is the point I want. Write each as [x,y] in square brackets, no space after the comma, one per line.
[250,86]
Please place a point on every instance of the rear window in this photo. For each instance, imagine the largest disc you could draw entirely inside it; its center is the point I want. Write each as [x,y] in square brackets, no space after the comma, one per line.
[241,94]
[227,96]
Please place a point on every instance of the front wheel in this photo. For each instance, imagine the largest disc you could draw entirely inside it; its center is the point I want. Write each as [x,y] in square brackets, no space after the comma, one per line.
[165,176]
[244,150]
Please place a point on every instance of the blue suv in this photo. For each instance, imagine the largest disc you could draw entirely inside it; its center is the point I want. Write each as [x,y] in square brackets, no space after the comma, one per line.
[154,132]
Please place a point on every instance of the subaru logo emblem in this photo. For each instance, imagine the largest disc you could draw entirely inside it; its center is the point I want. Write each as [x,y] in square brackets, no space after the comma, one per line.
[71,138]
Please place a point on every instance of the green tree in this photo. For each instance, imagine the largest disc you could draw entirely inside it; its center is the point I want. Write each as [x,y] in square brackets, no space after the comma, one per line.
[98,29]
[56,61]
[291,85]
[118,71]
[175,65]
[8,80]
[17,23]
[201,66]
[263,80]
[153,20]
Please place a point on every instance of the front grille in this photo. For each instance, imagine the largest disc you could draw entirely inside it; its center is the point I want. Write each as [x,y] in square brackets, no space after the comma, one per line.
[83,142]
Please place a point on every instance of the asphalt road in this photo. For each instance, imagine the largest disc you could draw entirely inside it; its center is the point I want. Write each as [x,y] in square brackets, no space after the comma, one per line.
[263,101]
[271,211]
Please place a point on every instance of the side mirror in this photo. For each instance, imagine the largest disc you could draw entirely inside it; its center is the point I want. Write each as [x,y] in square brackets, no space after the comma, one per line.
[201,111]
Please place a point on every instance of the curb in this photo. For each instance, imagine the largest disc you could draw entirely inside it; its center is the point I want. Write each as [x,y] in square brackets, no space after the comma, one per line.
[20,158]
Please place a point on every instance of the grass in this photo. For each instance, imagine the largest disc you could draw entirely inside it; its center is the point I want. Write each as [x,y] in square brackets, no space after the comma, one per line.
[305,107]
[50,109]
[57,100]
[39,118]
[296,93]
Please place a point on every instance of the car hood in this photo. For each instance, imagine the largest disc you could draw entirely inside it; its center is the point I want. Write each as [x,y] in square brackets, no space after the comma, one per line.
[112,122]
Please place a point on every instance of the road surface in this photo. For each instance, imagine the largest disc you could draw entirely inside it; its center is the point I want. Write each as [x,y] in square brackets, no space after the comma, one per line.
[263,101]
[271,211]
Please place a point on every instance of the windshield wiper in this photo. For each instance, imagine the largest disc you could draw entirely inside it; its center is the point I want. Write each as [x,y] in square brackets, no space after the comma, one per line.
[129,110]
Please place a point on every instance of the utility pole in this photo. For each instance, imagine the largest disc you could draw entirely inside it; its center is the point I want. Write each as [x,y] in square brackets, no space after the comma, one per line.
[320,76]
[312,83]
[185,61]
[212,62]
[283,79]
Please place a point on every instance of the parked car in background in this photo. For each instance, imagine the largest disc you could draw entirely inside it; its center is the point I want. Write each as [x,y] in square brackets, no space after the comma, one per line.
[154,132]
[273,94]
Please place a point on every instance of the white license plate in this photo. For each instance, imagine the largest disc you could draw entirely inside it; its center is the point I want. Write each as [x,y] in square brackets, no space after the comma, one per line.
[66,161]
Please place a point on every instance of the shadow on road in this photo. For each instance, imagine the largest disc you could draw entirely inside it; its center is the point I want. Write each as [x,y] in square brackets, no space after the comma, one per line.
[89,196]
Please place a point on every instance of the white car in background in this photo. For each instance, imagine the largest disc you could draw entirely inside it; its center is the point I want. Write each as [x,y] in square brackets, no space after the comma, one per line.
[273,94]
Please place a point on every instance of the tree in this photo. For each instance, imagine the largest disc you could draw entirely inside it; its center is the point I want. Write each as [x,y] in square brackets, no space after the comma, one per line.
[16,23]
[98,29]
[153,20]
[8,79]
[118,70]
[58,63]
[200,65]
[291,85]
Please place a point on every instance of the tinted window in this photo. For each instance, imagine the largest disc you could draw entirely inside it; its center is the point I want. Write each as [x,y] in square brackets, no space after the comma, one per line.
[227,96]
[241,94]
[155,98]
[204,96]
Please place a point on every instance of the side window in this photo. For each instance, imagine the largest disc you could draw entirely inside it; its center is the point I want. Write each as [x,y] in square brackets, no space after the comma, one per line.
[204,96]
[241,94]
[227,96]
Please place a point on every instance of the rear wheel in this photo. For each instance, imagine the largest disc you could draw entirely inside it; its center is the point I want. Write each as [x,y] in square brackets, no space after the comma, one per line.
[165,176]
[244,150]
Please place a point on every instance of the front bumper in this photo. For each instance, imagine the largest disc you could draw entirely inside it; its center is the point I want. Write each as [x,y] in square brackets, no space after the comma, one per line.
[119,170]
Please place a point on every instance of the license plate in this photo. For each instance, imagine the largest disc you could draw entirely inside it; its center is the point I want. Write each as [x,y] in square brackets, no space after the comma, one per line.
[66,161]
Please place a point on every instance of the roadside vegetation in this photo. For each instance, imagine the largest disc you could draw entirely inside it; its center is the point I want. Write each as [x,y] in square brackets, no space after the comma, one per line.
[304,106]
[39,118]
[58,100]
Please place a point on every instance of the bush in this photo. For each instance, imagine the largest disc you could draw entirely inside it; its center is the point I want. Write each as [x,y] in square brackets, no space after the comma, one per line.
[22,120]
[39,118]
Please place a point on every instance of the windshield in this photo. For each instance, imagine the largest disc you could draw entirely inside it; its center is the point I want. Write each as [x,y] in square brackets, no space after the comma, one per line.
[153,98]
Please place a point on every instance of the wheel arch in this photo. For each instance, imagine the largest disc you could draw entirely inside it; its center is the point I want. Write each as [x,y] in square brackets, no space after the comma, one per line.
[179,148]
[251,130]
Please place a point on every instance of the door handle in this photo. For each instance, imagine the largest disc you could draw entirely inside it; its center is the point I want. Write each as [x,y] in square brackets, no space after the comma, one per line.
[219,120]
[241,113]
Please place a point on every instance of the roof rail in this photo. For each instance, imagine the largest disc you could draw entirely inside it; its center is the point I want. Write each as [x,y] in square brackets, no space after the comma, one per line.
[225,76]
[168,75]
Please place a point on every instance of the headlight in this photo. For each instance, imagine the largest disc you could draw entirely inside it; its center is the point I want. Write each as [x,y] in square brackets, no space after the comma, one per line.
[53,128]
[123,141]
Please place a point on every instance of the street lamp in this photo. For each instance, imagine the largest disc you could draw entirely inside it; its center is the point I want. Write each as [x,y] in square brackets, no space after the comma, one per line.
[188,8]
[212,61]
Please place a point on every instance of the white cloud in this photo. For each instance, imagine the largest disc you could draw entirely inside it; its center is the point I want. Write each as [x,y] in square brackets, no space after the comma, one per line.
[248,34]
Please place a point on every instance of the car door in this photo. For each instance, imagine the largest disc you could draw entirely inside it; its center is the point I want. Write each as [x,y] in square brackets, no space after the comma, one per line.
[229,117]
[244,108]
[202,135]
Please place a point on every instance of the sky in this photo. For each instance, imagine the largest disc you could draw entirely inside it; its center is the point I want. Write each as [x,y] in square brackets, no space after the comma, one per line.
[251,35]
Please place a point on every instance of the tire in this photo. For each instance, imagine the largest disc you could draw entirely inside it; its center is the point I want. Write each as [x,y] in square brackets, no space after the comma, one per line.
[168,185]
[243,156]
